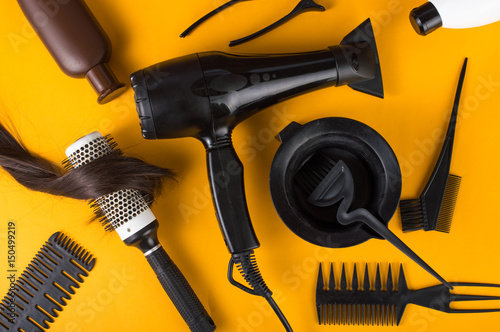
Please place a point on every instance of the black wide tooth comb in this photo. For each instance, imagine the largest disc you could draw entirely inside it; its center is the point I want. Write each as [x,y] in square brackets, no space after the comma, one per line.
[327,182]
[435,207]
[378,306]
[45,286]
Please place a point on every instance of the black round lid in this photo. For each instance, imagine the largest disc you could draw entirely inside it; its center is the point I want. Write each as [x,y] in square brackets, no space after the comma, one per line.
[425,19]
[374,167]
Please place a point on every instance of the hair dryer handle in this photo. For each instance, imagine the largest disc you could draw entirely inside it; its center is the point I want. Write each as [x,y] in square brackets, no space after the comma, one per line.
[225,172]
[180,292]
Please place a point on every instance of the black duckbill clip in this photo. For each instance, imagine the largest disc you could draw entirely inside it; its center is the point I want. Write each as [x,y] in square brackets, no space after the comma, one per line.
[209,15]
[302,7]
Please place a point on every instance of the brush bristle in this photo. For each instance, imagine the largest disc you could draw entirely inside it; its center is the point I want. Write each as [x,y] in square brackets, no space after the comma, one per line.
[313,172]
[413,217]
[448,205]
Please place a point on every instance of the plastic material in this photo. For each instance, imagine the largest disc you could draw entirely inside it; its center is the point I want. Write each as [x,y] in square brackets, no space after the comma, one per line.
[76,41]
[55,272]
[127,212]
[434,209]
[207,95]
[370,305]
[209,15]
[180,292]
[377,179]
[326,182]
[302,7]
[455,14]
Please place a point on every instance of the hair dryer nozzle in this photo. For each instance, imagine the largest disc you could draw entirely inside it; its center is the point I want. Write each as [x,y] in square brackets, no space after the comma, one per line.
[359,49]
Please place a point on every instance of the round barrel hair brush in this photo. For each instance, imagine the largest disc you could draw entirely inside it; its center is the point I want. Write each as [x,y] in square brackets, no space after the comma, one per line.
[127,212]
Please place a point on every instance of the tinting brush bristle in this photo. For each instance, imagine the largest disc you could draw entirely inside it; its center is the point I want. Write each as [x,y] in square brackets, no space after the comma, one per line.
[415,215]
[45,286]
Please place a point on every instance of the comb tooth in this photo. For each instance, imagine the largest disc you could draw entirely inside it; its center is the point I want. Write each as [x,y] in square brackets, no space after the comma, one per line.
[366,280]
[390,282]
[331,280]
[320,286]
[386,314]
[378,314]
[348,314]
[448,205]
[402,286]
[343,280]
[399,314]
[355,283]
[344,312]
[393,309]
[378,281]
[359,314]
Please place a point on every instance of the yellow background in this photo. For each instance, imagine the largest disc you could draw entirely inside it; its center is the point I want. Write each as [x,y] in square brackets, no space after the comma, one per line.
[50,111]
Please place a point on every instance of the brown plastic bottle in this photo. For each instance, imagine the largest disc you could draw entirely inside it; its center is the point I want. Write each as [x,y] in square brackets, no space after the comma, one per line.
[76,41]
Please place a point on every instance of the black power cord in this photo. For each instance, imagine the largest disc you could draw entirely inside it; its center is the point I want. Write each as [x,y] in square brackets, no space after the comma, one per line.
[247,266]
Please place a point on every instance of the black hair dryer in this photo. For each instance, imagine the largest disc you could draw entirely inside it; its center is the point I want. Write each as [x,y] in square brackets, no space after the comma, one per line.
[206,95]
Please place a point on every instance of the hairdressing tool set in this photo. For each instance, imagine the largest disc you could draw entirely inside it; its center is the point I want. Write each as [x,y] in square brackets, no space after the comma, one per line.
[224,90]
[128,213]
[335,182]
[434,209]
[45,285]
[454,14]
[372,304]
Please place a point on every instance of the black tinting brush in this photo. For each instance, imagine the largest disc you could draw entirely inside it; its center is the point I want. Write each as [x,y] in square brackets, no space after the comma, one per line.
[372,304]
[45,286]
[327,183]
[434,209]
[128,213]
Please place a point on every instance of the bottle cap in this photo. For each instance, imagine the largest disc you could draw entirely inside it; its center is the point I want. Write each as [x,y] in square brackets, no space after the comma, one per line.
[425,19]
[105,83]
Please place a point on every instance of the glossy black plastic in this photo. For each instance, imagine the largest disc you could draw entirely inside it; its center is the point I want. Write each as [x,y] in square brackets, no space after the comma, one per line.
[376,172]
[206,95]
[425,19]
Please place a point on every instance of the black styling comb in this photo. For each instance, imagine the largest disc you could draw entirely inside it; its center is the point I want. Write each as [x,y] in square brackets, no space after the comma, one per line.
[371,305]
[128,213]
[302,7]
[434,209]
[327,183]
[209,15]
[45,285]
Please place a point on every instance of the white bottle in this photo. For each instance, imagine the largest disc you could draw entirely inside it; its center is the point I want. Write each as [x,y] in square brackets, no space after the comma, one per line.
[454,14]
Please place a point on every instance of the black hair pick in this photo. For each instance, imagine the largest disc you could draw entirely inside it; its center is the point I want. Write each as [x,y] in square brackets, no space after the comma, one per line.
[46,285]
[302,7]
